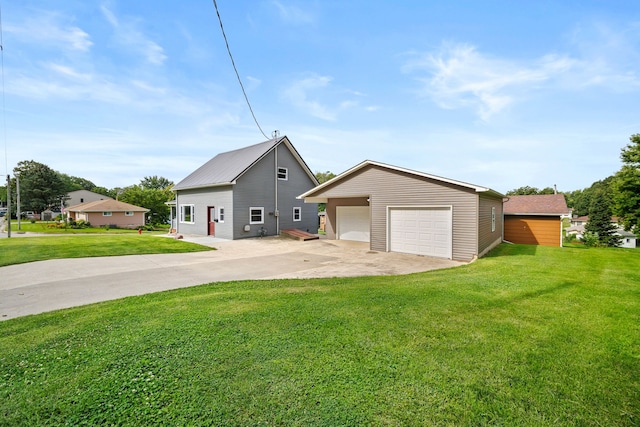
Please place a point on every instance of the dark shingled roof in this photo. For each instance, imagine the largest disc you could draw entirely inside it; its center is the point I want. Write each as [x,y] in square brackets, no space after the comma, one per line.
[541,204]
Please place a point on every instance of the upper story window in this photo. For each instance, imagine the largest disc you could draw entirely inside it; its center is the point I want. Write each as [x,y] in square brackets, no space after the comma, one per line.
[283,174]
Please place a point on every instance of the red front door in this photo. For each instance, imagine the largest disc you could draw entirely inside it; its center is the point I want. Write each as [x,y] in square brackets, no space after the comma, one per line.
[212,221]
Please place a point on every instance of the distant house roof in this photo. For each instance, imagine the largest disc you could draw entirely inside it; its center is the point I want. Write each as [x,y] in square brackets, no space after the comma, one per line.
[226,168]
[83,192]
[108,205]
[309,195]
[540,204]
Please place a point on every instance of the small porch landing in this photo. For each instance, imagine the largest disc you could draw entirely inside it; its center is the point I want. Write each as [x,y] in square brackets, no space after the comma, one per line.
[298,234]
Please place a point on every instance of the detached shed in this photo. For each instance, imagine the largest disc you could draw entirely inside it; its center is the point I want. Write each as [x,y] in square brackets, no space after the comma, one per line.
[535,220]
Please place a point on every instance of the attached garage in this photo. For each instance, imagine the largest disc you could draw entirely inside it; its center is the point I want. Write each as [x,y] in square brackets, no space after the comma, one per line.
[421,231]
[402,210]
[535,219]
[353,223]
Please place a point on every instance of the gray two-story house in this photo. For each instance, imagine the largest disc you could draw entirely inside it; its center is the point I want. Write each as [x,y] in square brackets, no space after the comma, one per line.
[248,192]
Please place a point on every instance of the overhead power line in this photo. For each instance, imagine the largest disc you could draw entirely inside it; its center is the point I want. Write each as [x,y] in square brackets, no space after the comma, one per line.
[215,4]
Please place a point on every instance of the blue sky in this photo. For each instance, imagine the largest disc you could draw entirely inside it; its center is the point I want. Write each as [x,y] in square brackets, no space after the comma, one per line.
[496,93]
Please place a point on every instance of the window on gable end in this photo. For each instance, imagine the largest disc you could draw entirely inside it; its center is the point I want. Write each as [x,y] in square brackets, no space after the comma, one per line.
[283,174]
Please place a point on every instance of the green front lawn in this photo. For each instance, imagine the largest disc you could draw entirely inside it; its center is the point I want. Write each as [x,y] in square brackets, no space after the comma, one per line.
[19,250]
[52,227]
[528,336]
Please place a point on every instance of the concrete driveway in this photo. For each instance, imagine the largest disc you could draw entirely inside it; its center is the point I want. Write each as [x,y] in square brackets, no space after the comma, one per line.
[51,285]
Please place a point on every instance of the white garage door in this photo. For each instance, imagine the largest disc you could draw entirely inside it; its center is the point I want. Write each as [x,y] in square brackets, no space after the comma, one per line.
[352,223]
[421,231]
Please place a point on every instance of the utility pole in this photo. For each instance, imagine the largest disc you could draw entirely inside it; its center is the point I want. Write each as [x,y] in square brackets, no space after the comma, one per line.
[18,213]
[8,206]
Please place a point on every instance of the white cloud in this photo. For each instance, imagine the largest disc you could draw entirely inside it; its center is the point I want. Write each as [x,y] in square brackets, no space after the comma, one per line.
[309,94]
[460,76]
[298,94]
[292,14]
[50,28]
[133,39]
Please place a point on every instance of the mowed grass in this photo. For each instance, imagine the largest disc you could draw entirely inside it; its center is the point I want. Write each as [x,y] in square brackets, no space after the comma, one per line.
[528,336]
[50,227]
[19,250]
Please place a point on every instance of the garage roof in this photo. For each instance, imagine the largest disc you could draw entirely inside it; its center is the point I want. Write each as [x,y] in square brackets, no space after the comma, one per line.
[539,204]
[477,188]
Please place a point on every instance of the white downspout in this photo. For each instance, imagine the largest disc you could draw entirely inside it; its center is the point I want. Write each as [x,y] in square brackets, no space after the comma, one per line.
[276,213]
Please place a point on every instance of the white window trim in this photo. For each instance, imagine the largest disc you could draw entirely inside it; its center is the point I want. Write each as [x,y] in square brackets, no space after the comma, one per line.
[255,208]
[220,214]
[107,213]
[285,172]
[128,213]
[192,208]
[299,211]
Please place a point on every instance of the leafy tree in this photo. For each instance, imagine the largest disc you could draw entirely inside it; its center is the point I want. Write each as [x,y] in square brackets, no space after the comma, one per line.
[580,200]
[600,220]
[152,193]
[155,183]
[626,186]
[73,183]
[530,191]
[323,177]
[40,186]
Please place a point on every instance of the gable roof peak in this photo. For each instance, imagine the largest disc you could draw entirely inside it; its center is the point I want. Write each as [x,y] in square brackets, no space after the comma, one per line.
[225,168]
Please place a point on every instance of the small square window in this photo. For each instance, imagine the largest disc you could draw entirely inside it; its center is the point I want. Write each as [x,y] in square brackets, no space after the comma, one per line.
[256,215]
[297,214]
[283,174]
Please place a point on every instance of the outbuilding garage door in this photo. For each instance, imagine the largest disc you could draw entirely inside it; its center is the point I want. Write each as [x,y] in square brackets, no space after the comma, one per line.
[421,231]
[353,223]
[533,230]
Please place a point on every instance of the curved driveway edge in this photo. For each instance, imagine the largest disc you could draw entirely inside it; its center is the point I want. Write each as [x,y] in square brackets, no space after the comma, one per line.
[43,286]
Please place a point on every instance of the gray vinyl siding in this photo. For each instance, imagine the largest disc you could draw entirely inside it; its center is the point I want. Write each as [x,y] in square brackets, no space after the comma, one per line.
[488,239]
[201,199]
[298,183]
[395,188]
[256,188]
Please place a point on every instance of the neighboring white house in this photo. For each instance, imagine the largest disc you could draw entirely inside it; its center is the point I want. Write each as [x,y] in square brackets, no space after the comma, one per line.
[627,239]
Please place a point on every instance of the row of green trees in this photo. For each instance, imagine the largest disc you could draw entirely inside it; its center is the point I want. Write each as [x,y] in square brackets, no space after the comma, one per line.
[43,188]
